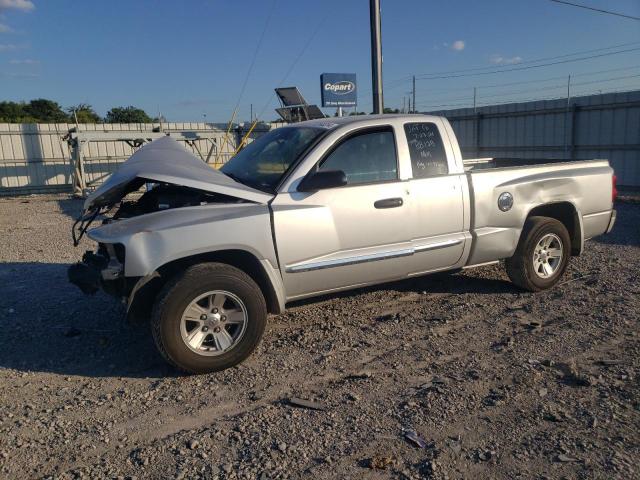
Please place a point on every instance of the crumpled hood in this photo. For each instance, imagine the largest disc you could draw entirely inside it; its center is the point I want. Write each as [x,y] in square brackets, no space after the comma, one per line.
[165,160]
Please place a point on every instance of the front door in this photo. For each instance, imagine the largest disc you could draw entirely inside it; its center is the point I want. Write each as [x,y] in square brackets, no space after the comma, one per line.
[347,236]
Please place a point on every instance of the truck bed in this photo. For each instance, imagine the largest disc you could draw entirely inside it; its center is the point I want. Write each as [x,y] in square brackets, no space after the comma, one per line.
[582,189]
[476,164]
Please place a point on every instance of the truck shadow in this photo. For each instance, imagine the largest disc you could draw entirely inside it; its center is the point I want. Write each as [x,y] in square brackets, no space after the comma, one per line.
[454,283]
[627,228]
[48,325]
[71,207]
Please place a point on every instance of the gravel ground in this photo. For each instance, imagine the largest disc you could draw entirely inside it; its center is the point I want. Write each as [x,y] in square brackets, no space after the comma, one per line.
[494,382]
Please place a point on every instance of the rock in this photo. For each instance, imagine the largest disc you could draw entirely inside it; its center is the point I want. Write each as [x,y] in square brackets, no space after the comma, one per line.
[414,438]
[378,462]
[564,458]
[301,402]
[193,444]
[485,455]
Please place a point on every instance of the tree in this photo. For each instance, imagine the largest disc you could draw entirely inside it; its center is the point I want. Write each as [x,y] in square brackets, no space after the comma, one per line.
[13,112]
[128,114]
[390,110]
[45,111]
[39,110]
[84,113]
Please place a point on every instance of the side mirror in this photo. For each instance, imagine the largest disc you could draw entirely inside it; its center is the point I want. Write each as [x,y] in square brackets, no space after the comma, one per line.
[322,179]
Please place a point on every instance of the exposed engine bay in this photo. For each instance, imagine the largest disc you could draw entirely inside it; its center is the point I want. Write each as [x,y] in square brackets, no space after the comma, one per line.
[166,196]
[157,197]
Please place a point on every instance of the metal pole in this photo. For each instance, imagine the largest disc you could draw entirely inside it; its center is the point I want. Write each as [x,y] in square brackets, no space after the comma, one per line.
[251,119]
[566,118]
[376,56]
[414,94]
[474,100]
[404,104]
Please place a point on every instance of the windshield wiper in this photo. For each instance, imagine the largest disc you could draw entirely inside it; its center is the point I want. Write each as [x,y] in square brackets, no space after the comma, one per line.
[257,186]
[233,177]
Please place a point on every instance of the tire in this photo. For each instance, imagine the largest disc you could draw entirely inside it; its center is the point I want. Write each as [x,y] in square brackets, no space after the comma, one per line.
[525,269]
[190,344]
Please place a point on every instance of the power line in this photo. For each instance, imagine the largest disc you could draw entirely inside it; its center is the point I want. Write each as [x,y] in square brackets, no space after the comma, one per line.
[549,87]
[528,62]
[533,99]
[540,80]
[295,62]
[599,10]
[532,66]
[255,53]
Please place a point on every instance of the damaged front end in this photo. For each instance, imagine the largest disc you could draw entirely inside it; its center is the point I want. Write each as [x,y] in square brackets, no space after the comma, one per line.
[141,210]
[100,269]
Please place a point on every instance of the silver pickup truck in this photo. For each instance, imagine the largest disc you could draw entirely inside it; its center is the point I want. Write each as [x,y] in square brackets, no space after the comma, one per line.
[318,207]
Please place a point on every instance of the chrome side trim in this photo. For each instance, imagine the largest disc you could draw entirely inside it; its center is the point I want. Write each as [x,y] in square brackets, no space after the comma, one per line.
[341,262]
[435,246]
[612,221]
[475,265]
[597,214]
[374,257]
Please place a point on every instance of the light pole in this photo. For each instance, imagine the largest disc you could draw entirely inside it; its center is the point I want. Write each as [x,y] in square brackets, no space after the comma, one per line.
[376,56]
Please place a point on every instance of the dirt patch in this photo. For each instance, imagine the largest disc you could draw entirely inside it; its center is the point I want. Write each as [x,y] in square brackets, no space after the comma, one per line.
[447,376]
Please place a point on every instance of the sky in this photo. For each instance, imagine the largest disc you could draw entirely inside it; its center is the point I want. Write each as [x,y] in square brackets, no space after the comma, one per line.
[194,60]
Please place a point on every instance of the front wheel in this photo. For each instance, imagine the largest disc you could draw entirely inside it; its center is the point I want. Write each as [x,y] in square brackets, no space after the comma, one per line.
[209,318]
[542,255]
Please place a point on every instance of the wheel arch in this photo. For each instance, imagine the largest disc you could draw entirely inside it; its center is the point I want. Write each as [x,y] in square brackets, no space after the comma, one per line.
[144,292]
[567,214]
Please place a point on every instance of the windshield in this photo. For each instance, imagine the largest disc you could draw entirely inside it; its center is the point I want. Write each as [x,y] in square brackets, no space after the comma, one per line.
[263,162]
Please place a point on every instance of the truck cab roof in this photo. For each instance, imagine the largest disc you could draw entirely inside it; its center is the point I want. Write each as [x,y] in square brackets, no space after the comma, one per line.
[366,119]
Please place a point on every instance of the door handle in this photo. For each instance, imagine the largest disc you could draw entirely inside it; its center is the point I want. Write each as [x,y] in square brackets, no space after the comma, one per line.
[388,203]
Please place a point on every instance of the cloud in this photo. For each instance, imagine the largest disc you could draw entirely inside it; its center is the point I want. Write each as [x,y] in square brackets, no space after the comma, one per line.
[497,59]
[24,5]
[5,28]
[19,75]
[26,61]
[458,45]
[9,47]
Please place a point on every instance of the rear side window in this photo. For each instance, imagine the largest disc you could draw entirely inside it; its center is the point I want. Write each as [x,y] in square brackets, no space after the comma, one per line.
[428,157]
[365,158]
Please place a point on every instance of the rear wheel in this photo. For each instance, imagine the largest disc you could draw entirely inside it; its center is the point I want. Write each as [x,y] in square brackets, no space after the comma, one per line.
[542,255]
[210,318]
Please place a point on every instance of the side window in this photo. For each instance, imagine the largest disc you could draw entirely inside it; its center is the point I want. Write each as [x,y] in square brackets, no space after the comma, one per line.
[428,157]
[365,158]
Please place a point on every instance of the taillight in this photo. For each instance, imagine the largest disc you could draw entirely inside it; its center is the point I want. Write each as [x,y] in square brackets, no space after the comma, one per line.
[614,190]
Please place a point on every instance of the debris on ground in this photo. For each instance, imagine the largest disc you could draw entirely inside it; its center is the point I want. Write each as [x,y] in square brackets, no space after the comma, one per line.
[487,395]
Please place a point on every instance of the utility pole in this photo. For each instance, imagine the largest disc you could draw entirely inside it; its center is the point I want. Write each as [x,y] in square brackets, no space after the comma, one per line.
[474,100]
[414,94]
[251,117]
[566,118]
[376,56]
[404,104]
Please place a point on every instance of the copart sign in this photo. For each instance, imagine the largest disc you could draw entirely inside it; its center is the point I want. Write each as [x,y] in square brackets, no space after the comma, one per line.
[338,89]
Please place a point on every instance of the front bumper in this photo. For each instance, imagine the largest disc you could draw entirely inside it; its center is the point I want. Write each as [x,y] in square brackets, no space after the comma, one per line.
[97,271]
[612,221]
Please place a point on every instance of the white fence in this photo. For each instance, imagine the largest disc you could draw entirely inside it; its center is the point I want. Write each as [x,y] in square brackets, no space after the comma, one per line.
[595,126]
[38,158]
